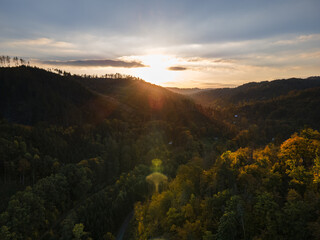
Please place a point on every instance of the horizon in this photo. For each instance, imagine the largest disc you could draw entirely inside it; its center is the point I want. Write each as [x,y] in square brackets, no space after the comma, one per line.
[54,70]
[183,44]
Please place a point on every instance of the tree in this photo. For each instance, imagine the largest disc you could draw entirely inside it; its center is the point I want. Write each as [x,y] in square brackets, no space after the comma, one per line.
[78,231]
[227,229]
[77,180]
[5,233]
[316,170]
[297,214]
[16,61]
[3,60]
[208,235]
[23,166]
[108,236]
[8,60]
[266,216]
[25,214]
[22,62]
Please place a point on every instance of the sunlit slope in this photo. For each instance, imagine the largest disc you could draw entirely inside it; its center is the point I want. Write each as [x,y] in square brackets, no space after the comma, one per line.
[147,101]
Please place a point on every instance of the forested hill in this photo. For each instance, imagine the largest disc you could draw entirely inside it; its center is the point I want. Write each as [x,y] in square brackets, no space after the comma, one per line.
[146,101]
[31,95]
[254,91]
[88,152]
[264,111]
[262,121]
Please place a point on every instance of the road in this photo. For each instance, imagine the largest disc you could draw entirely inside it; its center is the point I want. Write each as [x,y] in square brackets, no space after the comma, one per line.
[124,226]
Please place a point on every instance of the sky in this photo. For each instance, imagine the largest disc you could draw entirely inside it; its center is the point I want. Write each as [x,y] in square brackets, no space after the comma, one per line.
[190,43]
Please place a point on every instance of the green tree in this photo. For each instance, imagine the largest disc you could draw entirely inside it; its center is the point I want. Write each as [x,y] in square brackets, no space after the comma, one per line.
[78,231]
[5,233]
[266,216]
[227,229]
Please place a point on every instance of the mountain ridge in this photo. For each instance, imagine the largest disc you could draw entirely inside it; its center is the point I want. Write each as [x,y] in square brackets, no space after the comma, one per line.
[254,91]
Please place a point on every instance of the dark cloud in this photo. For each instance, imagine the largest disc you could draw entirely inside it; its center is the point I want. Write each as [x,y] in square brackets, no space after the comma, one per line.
[96,63]
[176,68]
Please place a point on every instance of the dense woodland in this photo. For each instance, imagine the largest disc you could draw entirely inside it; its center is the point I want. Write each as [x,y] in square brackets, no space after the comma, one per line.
[78,153]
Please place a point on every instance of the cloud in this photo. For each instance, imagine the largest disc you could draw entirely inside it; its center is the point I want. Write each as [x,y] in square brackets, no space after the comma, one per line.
[39,42]
[298,39]
[38,48]
[176,68]
[96,63]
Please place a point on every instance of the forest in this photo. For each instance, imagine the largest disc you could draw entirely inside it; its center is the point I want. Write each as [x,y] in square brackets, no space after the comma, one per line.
[82,155]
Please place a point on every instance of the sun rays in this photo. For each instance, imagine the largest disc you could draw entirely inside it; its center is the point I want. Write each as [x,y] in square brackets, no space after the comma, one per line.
[157,70]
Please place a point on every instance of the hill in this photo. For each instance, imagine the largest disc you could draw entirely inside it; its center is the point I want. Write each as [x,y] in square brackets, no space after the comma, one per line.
[253,91]
[144,101]
[275,118]
[31,95]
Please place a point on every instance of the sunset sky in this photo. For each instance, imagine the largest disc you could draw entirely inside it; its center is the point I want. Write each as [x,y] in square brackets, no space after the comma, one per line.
[186,43]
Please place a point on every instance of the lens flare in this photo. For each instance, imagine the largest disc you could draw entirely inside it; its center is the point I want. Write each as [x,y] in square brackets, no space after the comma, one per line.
[156,177]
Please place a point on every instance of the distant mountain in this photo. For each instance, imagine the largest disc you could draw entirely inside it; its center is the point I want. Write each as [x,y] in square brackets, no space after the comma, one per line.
[31,95]
[253,91]
[293,106]
[187,91]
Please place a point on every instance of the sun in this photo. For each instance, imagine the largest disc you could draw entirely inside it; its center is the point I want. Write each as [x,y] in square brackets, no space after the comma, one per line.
[157,69]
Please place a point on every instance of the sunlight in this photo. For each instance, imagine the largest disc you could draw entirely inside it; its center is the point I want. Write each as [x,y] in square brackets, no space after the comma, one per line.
[157,71]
